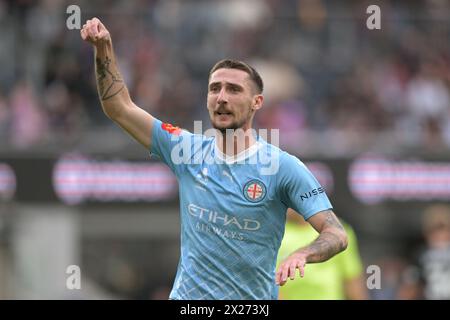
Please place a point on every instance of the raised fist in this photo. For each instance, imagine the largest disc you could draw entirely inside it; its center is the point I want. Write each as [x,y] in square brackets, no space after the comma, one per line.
[95,32]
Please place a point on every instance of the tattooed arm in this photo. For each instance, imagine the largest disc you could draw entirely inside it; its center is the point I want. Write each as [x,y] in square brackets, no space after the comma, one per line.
[113,93]
[331,240]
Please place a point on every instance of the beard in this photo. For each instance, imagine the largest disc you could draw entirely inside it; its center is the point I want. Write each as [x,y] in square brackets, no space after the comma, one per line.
[234,125]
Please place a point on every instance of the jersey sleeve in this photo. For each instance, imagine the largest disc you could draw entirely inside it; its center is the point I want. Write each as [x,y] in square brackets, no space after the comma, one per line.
[169,144]
[299,189]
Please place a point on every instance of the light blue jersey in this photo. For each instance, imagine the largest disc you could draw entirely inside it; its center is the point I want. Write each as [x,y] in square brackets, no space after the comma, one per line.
[233,213]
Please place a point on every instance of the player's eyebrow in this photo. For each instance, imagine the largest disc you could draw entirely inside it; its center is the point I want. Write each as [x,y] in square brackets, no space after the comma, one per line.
[213,85]
[235,86]
[230,84]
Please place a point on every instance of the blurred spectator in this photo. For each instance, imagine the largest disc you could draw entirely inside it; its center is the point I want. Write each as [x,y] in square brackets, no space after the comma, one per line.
[434,261]
[410,285]
[336,279]
[427,276]
[28,122]
[428,102]
[4,117]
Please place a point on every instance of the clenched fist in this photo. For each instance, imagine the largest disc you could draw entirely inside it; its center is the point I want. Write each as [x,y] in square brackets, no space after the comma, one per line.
[95,32]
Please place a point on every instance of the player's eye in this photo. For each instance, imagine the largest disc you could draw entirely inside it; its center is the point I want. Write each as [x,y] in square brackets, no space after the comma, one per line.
[214,89]
[234,89]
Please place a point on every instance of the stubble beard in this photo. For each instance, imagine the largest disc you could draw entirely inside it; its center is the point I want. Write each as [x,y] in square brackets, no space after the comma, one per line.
[233,126]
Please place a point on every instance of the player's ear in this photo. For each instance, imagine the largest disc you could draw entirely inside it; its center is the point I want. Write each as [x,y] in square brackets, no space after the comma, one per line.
[257,101]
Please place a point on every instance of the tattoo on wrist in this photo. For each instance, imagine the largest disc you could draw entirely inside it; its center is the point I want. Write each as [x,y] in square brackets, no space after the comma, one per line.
[109,83]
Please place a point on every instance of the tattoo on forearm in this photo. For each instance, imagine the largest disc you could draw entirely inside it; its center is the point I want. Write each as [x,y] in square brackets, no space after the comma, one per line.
[328,243]
[109,83]
[333,221]
[325,246]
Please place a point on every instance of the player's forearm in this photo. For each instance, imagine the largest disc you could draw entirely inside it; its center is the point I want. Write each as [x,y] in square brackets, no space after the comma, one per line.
[328,244]
[112,90]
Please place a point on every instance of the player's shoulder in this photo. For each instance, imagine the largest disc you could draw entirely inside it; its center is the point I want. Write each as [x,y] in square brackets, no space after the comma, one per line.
[183,133]
[290,161]
[273,150]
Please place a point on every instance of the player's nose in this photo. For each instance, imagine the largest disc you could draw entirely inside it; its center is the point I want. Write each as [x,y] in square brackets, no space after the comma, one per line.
[222,97]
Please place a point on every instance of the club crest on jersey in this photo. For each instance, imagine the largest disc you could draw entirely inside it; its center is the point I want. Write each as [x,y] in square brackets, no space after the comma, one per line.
[254,191]
[171,128]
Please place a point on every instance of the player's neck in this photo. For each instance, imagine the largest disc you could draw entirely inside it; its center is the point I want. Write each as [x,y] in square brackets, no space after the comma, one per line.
[232,143]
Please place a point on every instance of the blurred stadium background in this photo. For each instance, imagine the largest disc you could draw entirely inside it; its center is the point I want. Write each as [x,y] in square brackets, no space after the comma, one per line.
[367,110]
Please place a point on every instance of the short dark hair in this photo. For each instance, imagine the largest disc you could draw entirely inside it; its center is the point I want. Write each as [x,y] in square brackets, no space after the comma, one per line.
[236,64]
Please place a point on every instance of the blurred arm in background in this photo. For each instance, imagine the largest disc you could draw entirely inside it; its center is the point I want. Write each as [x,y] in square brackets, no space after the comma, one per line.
[114,96]
[355,288]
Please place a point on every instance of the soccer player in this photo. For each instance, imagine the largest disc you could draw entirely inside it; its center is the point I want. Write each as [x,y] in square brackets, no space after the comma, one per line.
[232,206]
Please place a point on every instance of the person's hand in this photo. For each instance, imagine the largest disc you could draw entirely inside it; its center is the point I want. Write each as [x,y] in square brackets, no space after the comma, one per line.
[95,32]
[289,267]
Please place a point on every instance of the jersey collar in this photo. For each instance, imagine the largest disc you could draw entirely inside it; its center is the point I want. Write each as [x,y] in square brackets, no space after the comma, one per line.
[240,157]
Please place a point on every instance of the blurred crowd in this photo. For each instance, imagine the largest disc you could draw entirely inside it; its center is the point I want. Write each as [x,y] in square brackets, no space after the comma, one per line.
[333,86]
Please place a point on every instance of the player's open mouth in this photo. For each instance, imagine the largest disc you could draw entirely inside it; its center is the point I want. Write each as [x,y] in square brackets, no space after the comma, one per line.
[224,113]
